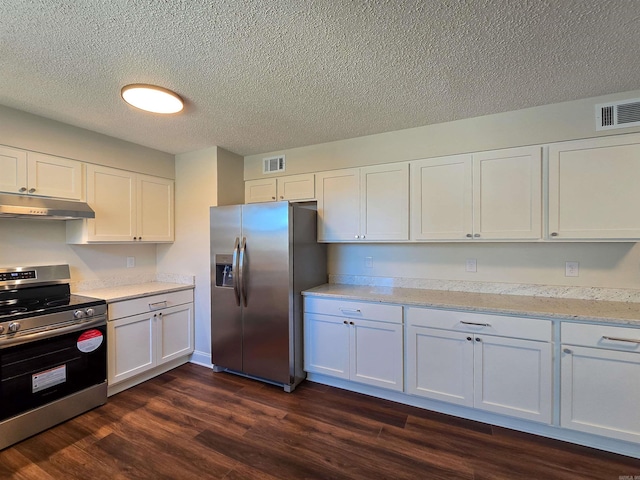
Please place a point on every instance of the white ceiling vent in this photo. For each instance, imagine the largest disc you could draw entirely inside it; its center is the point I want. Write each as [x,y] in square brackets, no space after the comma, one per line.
[625,113]
[273,164]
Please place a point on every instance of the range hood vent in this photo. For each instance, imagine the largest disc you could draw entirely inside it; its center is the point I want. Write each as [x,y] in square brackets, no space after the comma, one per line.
[623,114]
[26,206]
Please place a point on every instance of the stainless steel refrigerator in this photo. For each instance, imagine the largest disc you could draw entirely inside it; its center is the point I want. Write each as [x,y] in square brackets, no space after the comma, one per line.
[262,256]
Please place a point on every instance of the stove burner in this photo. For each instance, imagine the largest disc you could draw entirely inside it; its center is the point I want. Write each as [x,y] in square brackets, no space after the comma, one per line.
[54,302]
[12,310]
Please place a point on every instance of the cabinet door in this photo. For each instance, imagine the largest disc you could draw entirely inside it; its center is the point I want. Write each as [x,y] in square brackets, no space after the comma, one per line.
[338,195]
[175,333]
[600,392]
[154,209]
[296,187]
[13,170]
[263,190]
[112,195]
[376,354]
[51,176]
[441,198]
[507,194]
[130,344]
[593,188]
[440,365]
[384,202]
[326,345]
[513,377]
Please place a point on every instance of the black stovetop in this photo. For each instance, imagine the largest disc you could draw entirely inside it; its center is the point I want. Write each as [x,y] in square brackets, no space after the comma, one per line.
[21,303]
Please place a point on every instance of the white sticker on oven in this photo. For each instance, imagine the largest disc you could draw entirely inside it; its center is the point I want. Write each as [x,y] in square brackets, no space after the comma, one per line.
[48,378]
[90,340]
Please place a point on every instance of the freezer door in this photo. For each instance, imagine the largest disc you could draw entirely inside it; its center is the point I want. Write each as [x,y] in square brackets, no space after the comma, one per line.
[226,313]
[266,280]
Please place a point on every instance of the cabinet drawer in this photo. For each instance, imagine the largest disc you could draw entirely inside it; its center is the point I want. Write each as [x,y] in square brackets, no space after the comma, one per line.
[127,308]
[602,336]
[350,309]
[501,325]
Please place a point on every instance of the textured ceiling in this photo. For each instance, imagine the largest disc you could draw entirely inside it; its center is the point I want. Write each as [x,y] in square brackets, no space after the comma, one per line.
[265,75]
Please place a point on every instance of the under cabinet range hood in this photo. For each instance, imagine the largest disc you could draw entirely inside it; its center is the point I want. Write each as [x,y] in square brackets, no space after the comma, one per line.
[25,206]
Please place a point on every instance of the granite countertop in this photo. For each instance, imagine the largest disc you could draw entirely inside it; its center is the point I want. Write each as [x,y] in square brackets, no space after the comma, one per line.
[127,292]
[623,313]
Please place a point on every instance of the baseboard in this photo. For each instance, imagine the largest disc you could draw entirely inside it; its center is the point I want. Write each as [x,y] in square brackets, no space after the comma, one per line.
[201,358]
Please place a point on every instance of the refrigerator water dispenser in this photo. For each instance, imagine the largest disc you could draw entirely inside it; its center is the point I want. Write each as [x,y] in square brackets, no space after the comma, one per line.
[224,270]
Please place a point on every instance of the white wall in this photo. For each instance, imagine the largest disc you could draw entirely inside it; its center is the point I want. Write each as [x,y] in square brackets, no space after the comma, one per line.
[43,242]
[531,126]
[199,181]
[31,132]
[615,265]
[611,265]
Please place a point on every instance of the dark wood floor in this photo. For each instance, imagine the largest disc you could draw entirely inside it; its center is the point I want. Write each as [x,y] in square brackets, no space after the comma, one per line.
[192,423]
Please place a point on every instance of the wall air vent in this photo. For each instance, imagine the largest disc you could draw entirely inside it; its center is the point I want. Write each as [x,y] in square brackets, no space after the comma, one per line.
[273,164]
[623,114]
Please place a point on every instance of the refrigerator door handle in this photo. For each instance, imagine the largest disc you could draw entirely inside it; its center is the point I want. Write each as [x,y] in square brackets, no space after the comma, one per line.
[243,277]
[235,270]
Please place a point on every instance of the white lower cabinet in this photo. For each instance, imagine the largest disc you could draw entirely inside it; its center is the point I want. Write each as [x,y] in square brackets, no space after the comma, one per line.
[463,358]
[140,342]
[354,343]
[600,380]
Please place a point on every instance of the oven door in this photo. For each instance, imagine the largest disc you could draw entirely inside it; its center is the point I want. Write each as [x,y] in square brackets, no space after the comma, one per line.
[38,368]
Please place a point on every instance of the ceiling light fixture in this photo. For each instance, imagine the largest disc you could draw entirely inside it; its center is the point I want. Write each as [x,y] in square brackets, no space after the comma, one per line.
[152,98]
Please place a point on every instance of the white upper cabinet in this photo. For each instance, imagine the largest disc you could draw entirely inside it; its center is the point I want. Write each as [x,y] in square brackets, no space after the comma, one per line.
[507,194]
[485,196]
[441,198]
[292,188]
[364,204]
[338,195]
[32,173]
[263,190]
[128,206]
[13,170]
[384,202]
[155,209]
[593,188]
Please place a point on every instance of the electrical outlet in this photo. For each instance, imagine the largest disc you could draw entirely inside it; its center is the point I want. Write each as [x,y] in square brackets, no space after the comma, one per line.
[571,269]
[368,262]
[472,265]
[131,262]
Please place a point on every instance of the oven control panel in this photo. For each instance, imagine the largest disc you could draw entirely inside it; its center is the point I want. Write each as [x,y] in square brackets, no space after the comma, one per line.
[24,275]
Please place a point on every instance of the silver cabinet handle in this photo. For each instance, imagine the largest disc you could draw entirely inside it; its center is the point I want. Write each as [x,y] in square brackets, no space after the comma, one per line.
[617,339]
[476,235]
[353,312]
[357,236]
[362,236]
[567,351]
[31,190]
[23,189]
[157,305]
[476,324]
[554,234]
[273,198]
[469,235]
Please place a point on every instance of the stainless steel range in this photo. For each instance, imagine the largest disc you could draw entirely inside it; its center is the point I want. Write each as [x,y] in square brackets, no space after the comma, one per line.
[53,351]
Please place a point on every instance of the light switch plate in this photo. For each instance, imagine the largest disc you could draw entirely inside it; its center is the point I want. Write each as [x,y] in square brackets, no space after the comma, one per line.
[131,262]
[472,265]
[571,269]
[368,262]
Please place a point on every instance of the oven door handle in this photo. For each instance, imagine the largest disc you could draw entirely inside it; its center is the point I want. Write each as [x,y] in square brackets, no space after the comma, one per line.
[52,332]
